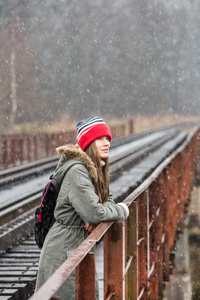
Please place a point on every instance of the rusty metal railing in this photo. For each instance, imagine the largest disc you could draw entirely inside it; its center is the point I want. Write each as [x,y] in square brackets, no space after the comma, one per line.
[156,213]
[21,148]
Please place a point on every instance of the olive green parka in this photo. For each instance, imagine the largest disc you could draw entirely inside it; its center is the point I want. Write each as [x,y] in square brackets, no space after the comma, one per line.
[77,205]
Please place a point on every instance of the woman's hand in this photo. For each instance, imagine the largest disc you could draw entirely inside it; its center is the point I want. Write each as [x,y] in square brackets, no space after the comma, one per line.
[90,227]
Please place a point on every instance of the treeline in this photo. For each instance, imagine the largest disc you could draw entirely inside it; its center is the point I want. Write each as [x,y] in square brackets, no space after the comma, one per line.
[114,58]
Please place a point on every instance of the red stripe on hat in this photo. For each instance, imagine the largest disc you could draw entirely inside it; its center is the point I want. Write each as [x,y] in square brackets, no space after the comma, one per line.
[93,133]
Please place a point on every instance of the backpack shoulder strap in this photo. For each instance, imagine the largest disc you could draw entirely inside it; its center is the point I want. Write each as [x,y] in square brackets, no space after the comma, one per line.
[55,184]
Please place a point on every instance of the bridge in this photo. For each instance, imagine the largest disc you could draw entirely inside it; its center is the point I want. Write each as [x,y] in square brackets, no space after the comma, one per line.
[132,258]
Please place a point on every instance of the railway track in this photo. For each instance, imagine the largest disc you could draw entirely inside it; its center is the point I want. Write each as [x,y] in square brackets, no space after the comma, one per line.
[21,192]
[18,264]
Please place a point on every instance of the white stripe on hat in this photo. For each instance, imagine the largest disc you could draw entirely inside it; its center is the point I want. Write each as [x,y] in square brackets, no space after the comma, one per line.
[83,125]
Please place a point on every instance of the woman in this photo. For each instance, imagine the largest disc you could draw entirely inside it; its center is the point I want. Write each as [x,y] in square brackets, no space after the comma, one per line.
[83,202]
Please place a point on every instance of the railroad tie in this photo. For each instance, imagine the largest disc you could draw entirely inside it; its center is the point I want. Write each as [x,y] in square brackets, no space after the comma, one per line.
[18,269]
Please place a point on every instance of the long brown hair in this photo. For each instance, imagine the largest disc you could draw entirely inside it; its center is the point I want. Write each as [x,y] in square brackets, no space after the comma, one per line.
[102,184]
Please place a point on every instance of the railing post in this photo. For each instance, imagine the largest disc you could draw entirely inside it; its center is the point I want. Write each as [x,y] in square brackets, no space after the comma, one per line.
[47,144]
[53,143]
[173,196]
[29,138]
[123,129]
[131,280]
[21,149]
[72,136]
[142,246]
[35,140]
[166,231]
[4,157]
[131,126]
[13,155]
[180,196]
[113,261]
[169,184]
[156,236]
[85,278]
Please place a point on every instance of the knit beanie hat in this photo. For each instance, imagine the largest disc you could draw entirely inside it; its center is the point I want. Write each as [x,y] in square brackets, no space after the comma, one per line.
[90,130]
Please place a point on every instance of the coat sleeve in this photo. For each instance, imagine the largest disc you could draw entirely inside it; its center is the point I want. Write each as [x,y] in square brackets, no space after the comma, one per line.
[86,203]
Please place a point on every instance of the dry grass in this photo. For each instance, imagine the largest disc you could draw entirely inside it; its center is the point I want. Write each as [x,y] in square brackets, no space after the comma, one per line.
[141,123]
[144,123]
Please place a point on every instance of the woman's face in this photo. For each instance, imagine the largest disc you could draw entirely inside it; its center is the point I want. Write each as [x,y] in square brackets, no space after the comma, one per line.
[103,145]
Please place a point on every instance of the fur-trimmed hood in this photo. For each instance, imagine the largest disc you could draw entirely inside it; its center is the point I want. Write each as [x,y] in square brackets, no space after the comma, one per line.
[69,152]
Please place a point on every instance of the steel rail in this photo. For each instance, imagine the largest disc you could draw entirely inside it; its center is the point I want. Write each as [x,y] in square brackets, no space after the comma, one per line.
[139,152]
[144,185]
[7,174]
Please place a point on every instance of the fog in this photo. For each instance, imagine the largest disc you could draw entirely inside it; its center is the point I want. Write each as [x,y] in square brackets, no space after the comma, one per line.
[71,59]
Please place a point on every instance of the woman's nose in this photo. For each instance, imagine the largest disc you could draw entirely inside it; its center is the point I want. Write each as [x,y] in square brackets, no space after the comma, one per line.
[106,141]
